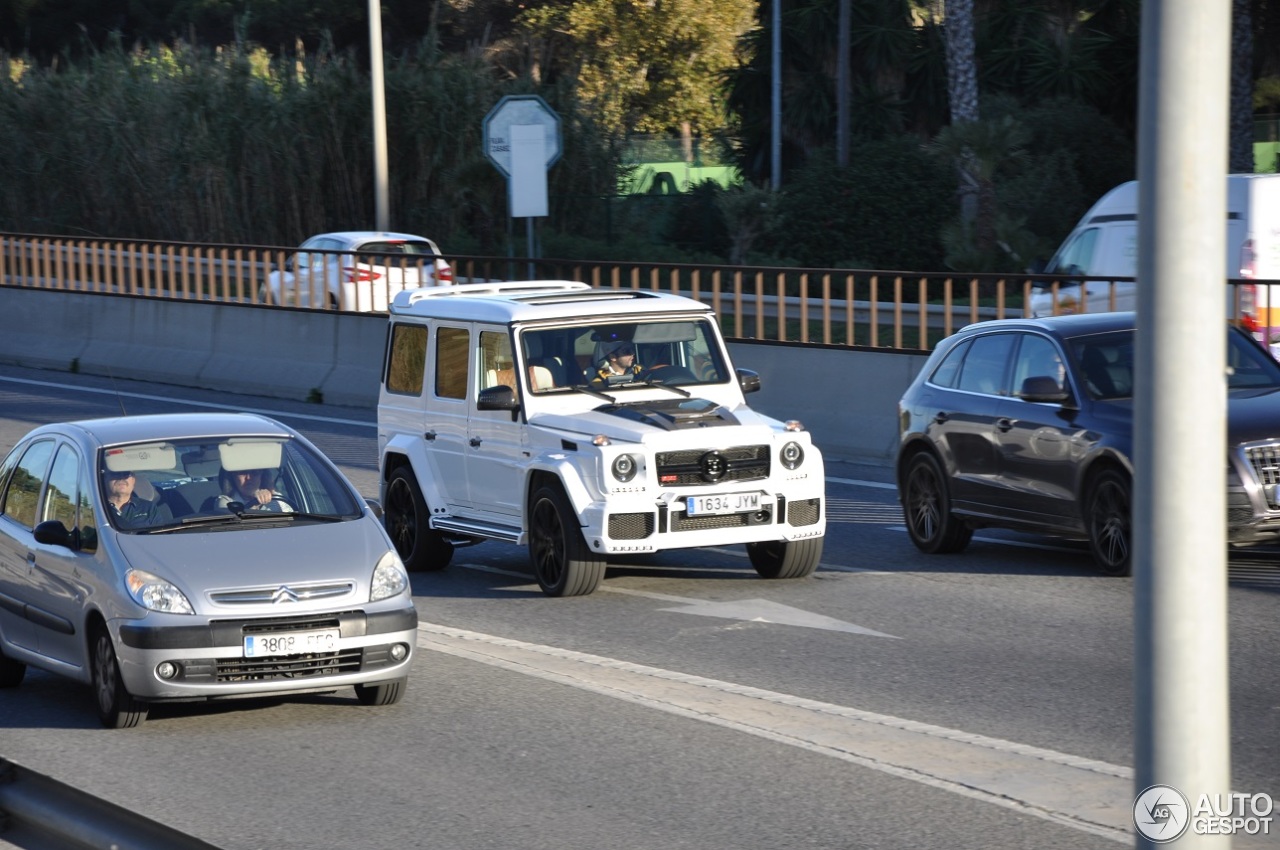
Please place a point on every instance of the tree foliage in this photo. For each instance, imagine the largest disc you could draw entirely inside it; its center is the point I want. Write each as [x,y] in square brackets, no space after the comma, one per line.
[643,65]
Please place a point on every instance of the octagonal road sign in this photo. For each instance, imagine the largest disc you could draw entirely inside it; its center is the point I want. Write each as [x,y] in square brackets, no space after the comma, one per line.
[518,109]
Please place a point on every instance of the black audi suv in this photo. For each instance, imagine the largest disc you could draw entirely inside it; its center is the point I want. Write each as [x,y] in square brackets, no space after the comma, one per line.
[1028,424]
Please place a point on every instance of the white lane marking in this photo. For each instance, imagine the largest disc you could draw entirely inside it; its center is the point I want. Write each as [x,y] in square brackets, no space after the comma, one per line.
[764,611]
[747,610]
[751,611]
[188,403]
[858,482]
[1084,794]
[1025,544]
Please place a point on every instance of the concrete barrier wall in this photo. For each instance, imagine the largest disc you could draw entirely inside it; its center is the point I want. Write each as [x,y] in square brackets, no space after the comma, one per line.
[847,399]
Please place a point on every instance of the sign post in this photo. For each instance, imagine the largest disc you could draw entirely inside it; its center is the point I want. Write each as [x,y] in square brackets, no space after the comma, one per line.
[522,140]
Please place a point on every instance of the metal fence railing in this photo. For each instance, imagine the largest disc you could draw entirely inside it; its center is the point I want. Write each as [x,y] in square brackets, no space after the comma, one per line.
[871,308]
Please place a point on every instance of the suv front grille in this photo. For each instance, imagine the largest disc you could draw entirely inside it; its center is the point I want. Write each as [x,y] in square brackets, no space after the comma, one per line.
[713,466]
[1265,462]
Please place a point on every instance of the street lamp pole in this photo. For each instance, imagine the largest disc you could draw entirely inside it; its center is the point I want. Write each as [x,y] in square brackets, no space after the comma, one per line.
[380,179]
[775,139]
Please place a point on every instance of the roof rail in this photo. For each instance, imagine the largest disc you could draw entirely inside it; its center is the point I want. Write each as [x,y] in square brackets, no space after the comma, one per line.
[499,287]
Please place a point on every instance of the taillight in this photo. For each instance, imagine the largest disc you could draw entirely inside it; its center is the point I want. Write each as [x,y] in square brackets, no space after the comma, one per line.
[444,273]
[1248,260]
[355,274]
[1248,296]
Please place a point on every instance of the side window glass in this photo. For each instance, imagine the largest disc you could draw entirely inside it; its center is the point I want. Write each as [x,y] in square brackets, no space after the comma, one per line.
[453,347]
[60,496]
[1037,357]
[22,495]
[1077,257]
[986,364]
[948,372]
[407,359]
[496,366]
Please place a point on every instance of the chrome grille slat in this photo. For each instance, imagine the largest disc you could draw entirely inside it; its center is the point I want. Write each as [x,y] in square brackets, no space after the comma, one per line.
[302,592]
[1264,460]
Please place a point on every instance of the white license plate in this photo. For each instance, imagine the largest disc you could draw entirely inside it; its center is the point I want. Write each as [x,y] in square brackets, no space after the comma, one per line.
[726,503]
[291,643]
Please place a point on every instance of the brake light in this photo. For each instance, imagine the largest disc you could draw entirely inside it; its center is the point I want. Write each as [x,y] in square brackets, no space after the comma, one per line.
[444,273]
[1248,260]
[355,274]
[1247,293]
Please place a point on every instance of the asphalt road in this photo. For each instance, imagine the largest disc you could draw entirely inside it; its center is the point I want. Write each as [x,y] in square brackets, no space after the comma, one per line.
[893,700]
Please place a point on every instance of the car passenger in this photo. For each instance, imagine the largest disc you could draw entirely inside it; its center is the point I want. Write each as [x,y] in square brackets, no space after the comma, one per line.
[128,508]
[251,488]
[619,360]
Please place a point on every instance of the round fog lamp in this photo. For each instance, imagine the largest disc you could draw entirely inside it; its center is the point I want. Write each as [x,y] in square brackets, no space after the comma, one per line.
[399,652]
[791,455]
[166,669]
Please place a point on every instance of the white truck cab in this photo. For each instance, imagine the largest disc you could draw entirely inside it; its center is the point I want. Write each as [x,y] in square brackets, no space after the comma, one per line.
[1103,250]
[498,421]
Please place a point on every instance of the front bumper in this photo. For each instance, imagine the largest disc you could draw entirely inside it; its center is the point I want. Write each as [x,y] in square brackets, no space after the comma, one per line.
[211,661]
[637,525]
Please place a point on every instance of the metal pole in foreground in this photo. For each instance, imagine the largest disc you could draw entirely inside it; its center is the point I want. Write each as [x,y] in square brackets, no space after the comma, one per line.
[775,131]
[1181,730]
[380,180]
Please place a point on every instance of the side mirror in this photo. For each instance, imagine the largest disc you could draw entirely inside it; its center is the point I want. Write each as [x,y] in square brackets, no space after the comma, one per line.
[375,506]
[749,381]
[52,532]
[501,397]
[1042,388]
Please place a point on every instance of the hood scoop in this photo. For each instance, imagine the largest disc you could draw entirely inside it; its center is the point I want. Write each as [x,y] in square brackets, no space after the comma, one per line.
[673,415]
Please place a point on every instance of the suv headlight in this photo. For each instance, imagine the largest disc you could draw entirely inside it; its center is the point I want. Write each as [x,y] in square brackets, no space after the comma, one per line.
[389,578]
[792,455]
[624,467]
[156,594]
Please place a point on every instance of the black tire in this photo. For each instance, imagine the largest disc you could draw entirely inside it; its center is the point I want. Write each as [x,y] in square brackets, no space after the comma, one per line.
[926,507]
[11,672]
[407,520]
[785,558]
[117,708]
[562,563]
[1108,520]
[383,693]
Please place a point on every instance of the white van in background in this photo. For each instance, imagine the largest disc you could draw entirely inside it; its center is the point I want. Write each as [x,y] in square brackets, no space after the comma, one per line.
[1103,248]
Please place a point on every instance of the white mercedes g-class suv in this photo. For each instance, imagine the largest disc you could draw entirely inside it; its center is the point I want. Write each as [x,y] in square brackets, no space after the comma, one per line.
[500,418]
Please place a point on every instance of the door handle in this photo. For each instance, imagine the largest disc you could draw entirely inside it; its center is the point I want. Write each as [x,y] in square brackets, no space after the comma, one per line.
[429,436]
[475,442]
[1004,424]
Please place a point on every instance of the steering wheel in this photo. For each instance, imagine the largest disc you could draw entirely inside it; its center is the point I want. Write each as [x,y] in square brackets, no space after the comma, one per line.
[668,374]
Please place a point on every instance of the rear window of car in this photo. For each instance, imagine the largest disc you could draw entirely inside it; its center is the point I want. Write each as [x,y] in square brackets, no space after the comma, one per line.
[398,247]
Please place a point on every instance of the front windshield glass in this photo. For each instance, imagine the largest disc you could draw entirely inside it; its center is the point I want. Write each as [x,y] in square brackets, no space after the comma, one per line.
[621,354]
[1106,363]
[167,483]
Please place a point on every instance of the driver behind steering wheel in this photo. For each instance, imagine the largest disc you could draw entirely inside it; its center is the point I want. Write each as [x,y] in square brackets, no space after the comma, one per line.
[619,360]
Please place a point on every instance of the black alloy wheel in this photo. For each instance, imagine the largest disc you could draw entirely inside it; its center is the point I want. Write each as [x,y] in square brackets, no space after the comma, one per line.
[926,507]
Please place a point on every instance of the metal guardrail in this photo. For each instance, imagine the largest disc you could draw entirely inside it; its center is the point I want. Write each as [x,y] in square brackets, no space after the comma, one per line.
[868,308]
[72,818]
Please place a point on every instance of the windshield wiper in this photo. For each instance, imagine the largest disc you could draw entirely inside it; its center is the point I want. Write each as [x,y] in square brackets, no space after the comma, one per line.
[650,382]
[583,388]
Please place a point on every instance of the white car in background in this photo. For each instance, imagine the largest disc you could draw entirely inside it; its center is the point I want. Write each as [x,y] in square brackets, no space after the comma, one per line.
[359,271]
